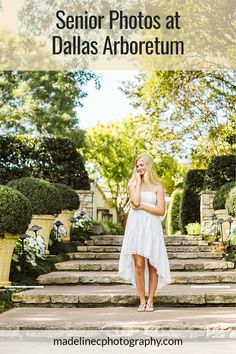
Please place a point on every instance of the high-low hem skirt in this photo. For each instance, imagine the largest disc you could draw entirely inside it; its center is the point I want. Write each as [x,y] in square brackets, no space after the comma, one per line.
[144,236]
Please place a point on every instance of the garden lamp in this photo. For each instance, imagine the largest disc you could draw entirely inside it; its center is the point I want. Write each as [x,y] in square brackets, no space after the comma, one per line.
[221,221]
[35,229]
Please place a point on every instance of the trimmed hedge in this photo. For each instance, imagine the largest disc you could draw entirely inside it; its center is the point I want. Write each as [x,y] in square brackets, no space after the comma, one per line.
[52,159]
[190,203]
[173,224]
[69,197]
[230,204]
[221,170]
[222,195]
[15,211]
[42,195]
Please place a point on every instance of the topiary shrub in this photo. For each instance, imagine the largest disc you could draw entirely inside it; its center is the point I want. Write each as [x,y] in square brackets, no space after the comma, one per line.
[190,203]
[69,197]
[222,195]
[173,224]
[221,170]
[230,204]
[15,211]
[42,195]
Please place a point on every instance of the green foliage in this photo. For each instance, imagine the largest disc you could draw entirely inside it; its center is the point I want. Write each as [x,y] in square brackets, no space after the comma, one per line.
[15,211]
[42,195]
[221,170]
[111,228]
[174,99]
[190,203]
[5,300]
[193,228]
[42,102]
[230,204]
[53,159]
[173,224]
[222,195]
[69,197]
[34,249]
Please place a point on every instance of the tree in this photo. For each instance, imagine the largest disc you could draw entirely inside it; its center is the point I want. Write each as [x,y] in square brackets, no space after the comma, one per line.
[194,106]
[42,103]
[111,149]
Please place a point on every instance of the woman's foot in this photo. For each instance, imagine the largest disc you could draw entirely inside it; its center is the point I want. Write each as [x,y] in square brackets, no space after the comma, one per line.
[149,307]
[141,308]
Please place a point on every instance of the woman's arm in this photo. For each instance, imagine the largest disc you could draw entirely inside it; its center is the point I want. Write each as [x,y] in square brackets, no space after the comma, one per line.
[159,209]
[135,192]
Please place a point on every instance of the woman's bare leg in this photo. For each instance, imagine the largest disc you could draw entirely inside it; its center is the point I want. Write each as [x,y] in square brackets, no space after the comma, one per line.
[153,279]
[139,262]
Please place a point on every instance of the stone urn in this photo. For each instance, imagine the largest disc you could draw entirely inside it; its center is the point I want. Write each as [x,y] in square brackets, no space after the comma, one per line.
[7,245]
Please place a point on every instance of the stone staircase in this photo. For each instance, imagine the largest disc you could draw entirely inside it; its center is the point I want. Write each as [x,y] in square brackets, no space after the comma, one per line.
[201,279]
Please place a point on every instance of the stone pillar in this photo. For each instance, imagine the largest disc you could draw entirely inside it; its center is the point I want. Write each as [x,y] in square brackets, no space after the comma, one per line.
[206,211]
[86,201]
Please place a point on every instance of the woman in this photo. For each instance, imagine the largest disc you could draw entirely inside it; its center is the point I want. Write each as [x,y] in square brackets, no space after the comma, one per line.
[143,258]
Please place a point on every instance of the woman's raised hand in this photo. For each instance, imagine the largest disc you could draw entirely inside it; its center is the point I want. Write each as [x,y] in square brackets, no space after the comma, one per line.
[138,178]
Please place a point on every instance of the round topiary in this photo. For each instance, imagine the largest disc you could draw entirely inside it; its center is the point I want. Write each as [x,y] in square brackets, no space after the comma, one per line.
[173,212]
[42,195]
[222,195]
[230,204]
[221,170]
[15,211]
[69,197]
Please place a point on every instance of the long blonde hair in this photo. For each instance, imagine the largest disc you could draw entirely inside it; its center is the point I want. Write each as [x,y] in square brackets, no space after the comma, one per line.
[150,174]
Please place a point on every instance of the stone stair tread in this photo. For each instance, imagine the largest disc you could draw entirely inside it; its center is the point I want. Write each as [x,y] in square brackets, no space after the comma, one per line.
[115,248]
[202,318]
[82,289]
[175,264]
[107,255]
[66,277]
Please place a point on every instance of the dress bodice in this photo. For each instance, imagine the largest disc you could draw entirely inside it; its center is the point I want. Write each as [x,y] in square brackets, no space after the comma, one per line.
[148,198]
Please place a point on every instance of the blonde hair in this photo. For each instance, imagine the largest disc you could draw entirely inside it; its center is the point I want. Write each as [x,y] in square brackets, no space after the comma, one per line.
[150,174]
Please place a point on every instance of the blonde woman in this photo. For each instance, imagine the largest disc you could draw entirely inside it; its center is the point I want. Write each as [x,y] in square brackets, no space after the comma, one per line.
[143,258]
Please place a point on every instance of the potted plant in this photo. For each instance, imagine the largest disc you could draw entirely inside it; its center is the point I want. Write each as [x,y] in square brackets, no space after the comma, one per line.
[193,229]
[15,216]
[45,202]
[69,203]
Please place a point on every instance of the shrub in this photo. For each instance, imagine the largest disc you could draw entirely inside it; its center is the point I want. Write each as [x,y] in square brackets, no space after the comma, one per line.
[173,224]
[52,159]
[42,195]
[230,204]
[69,197]
[190,203]
[15,211]
[221,170]
[222,195]
[111,228]
[193,228]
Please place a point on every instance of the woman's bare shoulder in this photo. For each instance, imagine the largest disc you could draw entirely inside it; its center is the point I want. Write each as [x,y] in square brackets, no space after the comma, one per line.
[158,187]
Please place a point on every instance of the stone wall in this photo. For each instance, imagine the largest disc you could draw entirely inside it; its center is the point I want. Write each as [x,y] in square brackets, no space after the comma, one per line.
[86,201]
[206,211]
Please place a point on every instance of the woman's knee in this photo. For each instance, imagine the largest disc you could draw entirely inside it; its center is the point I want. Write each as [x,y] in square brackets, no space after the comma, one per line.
[151,268]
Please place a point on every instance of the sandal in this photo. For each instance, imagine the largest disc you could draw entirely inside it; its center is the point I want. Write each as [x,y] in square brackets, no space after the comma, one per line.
[141,308]
[149,308]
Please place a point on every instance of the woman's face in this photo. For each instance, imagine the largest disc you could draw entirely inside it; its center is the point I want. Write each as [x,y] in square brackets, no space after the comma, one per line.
[140,166]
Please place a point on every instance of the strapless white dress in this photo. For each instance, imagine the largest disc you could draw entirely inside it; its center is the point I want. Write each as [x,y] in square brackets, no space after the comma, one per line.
[144,236]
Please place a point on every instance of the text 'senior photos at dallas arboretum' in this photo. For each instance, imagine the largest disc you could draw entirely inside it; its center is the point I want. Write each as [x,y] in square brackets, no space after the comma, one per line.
[117,205]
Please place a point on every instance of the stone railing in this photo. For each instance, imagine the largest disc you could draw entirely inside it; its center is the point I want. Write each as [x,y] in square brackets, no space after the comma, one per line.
[206,211]
[86,201]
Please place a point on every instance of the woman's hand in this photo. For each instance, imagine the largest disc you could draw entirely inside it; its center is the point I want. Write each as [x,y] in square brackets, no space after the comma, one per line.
[136,208]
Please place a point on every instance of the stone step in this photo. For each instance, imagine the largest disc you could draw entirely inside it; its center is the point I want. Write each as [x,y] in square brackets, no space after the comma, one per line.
[167,238]
[125,295]
[122,318]
[113,278]
[171,255]
[118,242]
[175,264]
[111,249]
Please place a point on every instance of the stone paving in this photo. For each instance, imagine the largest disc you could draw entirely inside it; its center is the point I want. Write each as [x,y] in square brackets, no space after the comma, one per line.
[87,291]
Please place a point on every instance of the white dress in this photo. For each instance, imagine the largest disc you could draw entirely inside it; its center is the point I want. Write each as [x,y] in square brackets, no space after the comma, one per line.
[144,236]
